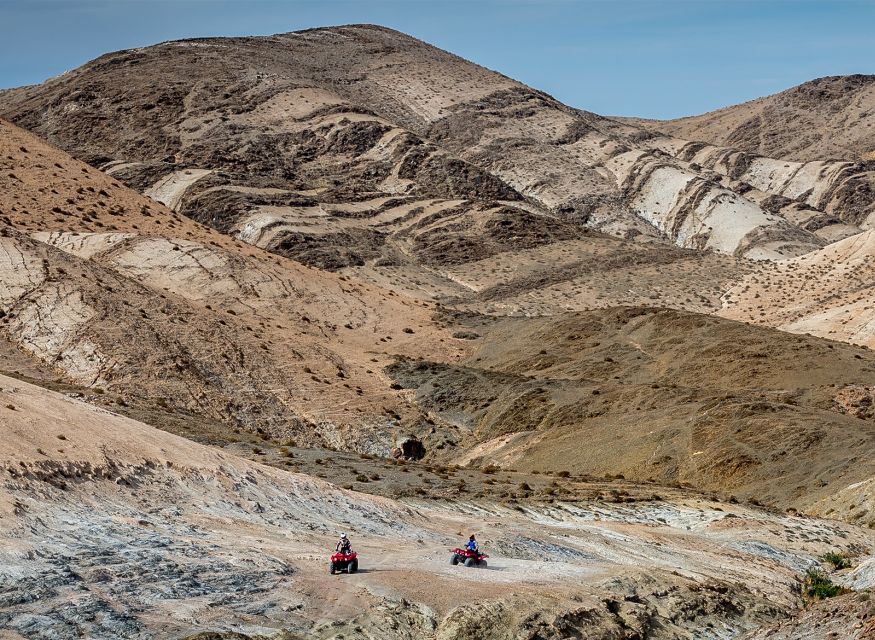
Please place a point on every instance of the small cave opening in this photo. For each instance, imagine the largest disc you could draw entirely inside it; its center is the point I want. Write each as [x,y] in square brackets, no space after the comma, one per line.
[409,448]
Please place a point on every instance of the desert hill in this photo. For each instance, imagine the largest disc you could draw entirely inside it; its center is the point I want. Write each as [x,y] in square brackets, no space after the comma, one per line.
[119,294]
[826,293]
[380,289]
[310,142]
[665,396]
[825,118]
[171,322]
[350,150]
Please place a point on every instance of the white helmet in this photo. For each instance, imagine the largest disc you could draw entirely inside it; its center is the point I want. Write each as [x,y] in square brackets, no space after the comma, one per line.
[342,535]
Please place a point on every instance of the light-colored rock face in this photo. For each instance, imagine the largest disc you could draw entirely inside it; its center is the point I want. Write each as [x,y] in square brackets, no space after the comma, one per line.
[49,315]
[170,189]
[22,271]
[125,530]
[829,191]
[720,219]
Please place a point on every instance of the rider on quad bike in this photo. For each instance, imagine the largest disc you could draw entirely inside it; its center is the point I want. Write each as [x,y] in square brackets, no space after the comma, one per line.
[343,546]
[469,555]
[344,558]
[472,544]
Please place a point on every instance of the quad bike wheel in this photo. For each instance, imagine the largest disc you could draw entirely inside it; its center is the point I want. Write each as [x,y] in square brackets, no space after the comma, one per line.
[482,564]
[331,568]
[470,562]
[455,559]
[352,567]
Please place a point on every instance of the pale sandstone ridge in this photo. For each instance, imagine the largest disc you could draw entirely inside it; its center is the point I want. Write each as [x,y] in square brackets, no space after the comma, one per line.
[246,133]
[124,530]
[829,198]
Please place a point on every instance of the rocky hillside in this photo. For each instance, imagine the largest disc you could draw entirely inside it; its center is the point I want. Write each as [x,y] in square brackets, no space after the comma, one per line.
[172,322]
[380,289]
[115,529]
[665,396]
[826,118]
[321,144]
[123,296]
[827,293]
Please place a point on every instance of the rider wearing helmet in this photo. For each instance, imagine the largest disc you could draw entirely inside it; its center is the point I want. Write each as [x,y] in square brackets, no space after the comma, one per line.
[343,545]
[472,544]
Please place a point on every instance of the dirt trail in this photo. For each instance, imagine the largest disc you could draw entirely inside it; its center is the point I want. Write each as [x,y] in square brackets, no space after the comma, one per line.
[123,530]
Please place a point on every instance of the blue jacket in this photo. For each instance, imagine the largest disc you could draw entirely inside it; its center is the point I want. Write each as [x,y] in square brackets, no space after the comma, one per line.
[472,545]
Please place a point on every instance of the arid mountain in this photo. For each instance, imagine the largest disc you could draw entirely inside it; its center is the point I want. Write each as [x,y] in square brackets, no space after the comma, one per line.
[320,145]
[380,289]
[827,118]
[362,151]
[162,316]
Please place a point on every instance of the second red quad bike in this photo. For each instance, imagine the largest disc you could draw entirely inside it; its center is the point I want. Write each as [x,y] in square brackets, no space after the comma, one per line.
[468,558]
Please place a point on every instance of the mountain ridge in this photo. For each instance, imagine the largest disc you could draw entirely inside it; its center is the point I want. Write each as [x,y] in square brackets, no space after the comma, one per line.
[381,290]
[807,112]
[598,172]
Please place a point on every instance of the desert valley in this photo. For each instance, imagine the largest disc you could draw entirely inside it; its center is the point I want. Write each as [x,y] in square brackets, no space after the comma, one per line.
[258,291]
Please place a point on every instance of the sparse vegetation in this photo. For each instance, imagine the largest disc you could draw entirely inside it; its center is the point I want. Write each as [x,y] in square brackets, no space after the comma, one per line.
[837,559]
[817,585]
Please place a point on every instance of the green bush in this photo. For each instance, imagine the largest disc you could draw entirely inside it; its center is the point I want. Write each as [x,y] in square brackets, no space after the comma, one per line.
[837,559]
[817,585]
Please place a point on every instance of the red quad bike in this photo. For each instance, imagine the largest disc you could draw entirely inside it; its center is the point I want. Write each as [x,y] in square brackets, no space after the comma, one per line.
[469,558]
[348,562]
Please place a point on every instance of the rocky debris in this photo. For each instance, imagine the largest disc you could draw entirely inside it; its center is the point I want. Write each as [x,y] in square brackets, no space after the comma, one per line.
[847,617]
[856,400]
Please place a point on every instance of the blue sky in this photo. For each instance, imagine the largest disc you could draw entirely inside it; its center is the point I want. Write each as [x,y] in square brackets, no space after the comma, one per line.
[652,58]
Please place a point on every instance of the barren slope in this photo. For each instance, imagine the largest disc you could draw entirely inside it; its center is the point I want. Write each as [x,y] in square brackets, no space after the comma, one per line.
[826,293]
[665,396]
[144,304]
[113,529]
[119,293]
[826,118]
